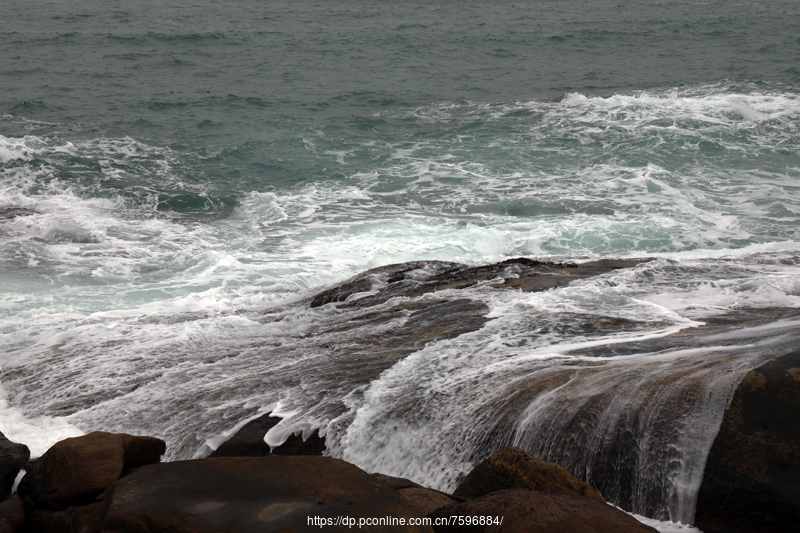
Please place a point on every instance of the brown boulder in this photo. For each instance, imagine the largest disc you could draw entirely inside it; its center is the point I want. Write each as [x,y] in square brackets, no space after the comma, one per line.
[13,457]
[264,494]
[526,511]
[12,514]
[750,482]
[425,500]
[78,519]
[512,468]
[75,471]
[393,482]
[249,441]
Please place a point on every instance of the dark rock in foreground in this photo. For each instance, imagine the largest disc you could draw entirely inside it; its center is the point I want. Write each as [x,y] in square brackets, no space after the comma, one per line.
[76,471]
[249,441]
[512,468]
[76,488]
[424,499]
[393,482]
[249,494]
[13,457]
[752,475]
[12,514]
[74,519]
[524,511]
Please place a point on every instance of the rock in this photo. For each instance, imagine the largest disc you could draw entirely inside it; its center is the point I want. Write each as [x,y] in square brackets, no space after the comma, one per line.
[245,494]
[512,468]
[9,212]
[141,450]
[78,519]
[419,277]
[395,483]
[12,514]
[13,457]
[426,500]
[75,471]
[249,441]
[751,476]
[525,511]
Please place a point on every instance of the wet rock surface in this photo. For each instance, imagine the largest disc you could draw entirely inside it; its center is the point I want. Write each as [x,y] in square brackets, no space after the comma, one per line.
[422,498]
[524,511]
[751,476]
[12,514]
[274,493]
[9,212]
[512,468]
[76,471]
[424,298]
[249,441]
[74,519]
[425,500]
[393,482]
[13,457]
[420,277]
[372,321]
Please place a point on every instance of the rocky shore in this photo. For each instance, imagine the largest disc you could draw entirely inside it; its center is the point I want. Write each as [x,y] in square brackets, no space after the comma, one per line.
[105,482]
[118,482]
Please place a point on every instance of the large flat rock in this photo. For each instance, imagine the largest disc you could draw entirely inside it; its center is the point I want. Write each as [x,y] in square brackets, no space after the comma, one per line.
[248,494]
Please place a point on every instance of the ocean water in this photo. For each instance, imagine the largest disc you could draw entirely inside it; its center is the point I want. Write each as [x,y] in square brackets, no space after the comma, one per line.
[194,172]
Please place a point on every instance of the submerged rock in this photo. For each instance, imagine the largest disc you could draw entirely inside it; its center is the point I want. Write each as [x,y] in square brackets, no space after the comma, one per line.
[13,457]
[420,277]
[249,441]
[752,476]
[232,494]
[9,212]
[512,468]
[422,297]
[523,511]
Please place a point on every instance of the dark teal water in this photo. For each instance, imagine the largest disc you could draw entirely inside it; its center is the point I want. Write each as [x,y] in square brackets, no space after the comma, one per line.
[192,165]
[220,75]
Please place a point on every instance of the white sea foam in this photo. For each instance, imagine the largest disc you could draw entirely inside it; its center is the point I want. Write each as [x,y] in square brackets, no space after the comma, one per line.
[11,149]
[665,526]
[37,433]
[120,314]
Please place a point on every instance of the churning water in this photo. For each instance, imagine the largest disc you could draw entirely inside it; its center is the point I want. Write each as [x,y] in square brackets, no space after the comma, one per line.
[177,180]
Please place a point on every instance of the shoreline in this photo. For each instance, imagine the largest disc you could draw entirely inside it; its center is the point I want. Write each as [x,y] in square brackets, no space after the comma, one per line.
[439,303]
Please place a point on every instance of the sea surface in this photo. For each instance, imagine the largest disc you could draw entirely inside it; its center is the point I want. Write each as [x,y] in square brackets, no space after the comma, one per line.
[176,179]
